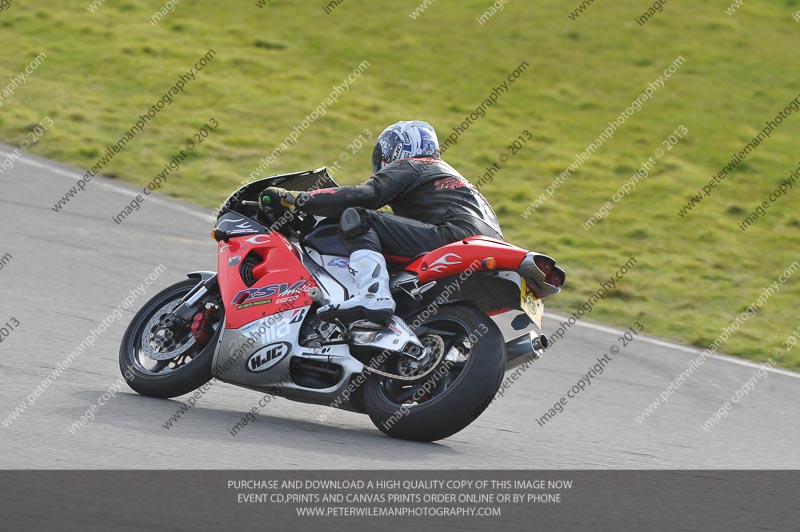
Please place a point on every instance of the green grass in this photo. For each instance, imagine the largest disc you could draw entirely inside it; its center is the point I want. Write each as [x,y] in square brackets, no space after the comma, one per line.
[275,65]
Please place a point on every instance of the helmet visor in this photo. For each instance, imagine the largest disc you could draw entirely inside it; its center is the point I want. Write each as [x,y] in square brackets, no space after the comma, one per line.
[377,158]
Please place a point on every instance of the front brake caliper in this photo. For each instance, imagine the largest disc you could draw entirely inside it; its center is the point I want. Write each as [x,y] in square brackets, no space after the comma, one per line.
[202,324]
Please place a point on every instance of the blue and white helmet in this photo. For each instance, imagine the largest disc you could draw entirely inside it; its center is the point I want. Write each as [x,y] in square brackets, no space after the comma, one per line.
[404,140]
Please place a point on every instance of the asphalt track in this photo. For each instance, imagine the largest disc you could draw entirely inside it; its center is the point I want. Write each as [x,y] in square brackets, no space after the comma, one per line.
[70,270]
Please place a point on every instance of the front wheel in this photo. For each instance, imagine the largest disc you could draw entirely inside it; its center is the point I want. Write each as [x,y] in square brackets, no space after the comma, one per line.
[469,353]
[157,363]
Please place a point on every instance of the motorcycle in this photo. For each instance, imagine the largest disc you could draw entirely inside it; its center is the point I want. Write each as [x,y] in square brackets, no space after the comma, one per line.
[425,375]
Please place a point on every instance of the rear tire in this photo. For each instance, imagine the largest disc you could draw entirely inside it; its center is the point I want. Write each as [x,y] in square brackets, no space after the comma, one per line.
[172,383]
[456,406]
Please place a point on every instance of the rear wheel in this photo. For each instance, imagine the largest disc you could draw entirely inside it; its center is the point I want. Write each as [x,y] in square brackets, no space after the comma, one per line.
[463,372]
[158,363]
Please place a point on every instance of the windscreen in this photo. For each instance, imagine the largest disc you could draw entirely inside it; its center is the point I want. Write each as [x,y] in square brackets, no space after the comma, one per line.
[303,181]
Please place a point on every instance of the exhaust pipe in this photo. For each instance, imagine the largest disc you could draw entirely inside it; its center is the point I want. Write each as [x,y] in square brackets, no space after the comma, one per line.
[522,347]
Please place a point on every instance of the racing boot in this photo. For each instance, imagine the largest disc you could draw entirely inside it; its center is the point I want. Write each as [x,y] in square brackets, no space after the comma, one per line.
[372,299]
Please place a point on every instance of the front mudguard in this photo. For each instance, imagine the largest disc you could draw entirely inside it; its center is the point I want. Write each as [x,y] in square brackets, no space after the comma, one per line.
[201,275]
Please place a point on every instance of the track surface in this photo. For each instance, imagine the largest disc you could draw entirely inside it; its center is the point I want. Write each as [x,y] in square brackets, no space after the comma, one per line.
[69,270]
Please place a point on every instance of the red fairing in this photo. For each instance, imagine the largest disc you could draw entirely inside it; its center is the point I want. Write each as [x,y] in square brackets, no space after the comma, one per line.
[467,254]
[282,280]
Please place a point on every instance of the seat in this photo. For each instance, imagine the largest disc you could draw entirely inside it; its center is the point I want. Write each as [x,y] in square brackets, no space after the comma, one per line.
[325,239]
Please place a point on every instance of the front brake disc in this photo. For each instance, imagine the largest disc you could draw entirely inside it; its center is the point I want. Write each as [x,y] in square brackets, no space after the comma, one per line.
[157,342]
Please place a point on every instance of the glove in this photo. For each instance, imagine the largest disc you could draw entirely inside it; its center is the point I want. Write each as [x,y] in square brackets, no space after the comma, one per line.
[276,195]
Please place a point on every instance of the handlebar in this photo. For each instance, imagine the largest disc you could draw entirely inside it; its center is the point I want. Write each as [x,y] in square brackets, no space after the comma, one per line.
[268,209]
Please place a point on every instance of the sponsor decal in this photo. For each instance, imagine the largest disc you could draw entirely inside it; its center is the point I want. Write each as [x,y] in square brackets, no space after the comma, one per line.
[258,239]
[298,315]
[448,259]
[239,232]
[283,289]
[268,357]
[234,260]
[241,226]
[339,262]
[450,183]
[253,304]
[399,326]
[263,331]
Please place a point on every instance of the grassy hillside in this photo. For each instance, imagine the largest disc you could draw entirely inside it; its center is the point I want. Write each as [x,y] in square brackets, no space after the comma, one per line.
[274,65]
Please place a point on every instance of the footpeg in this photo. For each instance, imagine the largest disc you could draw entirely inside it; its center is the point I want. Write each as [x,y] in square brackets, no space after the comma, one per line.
[317,296]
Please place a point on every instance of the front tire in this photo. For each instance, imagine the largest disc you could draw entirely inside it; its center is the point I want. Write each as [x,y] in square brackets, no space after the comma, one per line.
[167,377]
[475,350]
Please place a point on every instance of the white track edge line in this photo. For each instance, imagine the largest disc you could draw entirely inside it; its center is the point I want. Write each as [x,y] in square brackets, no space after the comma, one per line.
[685,349]
[109,186]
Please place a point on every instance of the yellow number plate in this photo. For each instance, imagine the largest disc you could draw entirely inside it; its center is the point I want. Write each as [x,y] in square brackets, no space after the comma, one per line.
[532,306]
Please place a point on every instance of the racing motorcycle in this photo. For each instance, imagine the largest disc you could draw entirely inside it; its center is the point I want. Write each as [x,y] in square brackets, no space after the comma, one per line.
[425,375]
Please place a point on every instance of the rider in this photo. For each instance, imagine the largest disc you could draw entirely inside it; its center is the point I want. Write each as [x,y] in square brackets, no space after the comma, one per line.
[433,206]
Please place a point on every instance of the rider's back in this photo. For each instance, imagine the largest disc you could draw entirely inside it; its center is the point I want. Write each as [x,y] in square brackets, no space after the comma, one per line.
[432,191]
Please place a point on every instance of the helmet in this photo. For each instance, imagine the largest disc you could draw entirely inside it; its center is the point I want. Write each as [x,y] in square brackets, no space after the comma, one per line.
[403,140]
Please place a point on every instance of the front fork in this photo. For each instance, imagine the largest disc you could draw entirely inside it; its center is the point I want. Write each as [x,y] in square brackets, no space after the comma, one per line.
[179,321]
